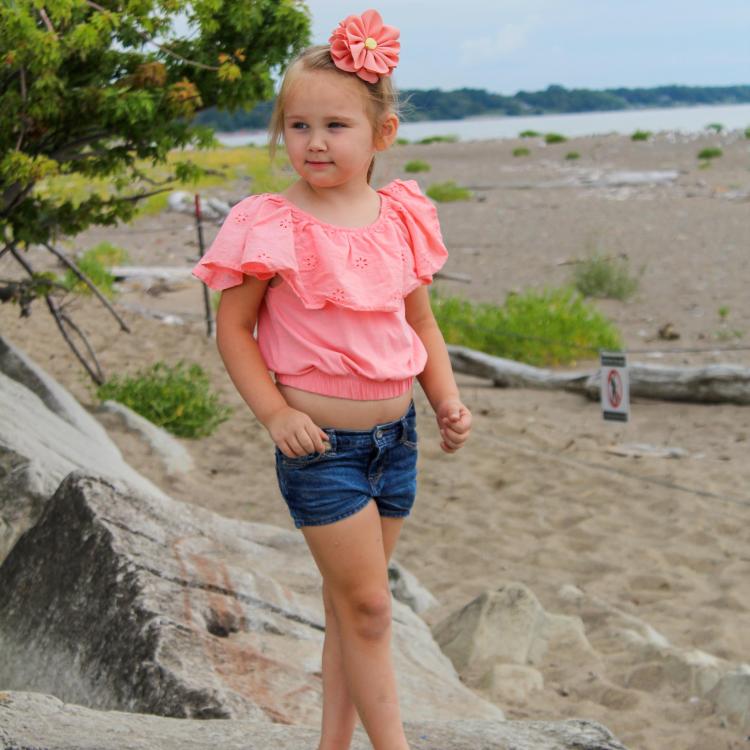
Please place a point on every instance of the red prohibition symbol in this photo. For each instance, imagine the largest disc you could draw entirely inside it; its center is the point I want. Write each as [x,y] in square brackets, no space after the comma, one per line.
[614,388]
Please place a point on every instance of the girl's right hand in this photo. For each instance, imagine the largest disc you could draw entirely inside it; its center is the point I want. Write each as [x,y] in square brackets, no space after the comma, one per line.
[295,433]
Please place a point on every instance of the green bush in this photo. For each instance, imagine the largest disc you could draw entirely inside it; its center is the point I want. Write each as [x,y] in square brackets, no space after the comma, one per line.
[94,264]
[439,139]
[521,151]
[417,165]
[717,127]
[747,132]
[712,152]
[641,135]
[552,327]
[177,398]
[555,138]
[445,192]
[402,141]
[529,134]
[599,276]
[572,155]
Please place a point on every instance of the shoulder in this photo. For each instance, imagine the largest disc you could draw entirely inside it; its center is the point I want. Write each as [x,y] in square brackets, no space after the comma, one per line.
[255,206]
[405,191]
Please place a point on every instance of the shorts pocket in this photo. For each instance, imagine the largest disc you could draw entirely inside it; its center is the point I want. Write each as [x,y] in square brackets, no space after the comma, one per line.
[300,462]
[409,437]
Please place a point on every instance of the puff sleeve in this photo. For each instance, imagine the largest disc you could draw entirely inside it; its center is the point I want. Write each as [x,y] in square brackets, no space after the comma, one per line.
[255,239]
[420,220]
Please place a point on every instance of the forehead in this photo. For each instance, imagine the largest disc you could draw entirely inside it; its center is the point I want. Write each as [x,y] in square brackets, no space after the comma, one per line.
[325,93]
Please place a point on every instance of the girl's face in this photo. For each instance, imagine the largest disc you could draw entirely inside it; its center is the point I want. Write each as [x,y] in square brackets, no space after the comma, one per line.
[327,131]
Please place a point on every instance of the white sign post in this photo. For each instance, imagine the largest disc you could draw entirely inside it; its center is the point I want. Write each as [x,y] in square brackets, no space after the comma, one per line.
[614,386]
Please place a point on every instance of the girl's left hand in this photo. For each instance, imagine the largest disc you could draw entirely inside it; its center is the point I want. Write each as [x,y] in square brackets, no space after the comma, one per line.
[454,423]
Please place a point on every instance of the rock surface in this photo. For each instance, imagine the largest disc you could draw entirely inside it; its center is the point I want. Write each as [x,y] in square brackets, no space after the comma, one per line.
[173,454]
[39,446]
[507,626]
[135,602]
[57,726]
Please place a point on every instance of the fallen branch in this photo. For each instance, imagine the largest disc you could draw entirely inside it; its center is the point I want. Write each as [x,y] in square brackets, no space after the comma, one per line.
[709,384]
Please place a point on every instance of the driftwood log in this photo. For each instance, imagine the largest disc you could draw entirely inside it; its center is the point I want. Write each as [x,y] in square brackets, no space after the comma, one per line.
[711,384]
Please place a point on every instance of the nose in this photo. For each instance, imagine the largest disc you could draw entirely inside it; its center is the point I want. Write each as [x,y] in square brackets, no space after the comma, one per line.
[317,141]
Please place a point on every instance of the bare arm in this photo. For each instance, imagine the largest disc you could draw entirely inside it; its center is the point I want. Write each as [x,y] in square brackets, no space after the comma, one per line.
[437,380]
[293,431]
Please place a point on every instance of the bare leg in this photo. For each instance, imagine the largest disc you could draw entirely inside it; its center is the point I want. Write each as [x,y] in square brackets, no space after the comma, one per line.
[339,712]
[351,557]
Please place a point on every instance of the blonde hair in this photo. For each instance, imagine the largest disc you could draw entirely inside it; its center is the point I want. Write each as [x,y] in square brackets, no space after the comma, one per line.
[381,98]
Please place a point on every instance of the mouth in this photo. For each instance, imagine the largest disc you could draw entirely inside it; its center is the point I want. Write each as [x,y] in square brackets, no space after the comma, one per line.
[317,163]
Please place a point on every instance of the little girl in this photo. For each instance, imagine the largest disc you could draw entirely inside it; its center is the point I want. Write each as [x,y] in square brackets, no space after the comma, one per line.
[335,274]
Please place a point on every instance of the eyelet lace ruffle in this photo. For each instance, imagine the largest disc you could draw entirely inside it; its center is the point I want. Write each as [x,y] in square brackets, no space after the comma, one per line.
[365,268]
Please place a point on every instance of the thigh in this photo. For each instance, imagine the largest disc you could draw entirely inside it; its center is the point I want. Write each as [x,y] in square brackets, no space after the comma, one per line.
[350,554]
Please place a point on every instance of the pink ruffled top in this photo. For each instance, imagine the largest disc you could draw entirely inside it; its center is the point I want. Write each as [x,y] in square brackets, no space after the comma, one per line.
[336,325]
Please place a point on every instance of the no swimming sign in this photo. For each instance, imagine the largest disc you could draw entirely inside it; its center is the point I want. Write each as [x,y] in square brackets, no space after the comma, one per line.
[615,391]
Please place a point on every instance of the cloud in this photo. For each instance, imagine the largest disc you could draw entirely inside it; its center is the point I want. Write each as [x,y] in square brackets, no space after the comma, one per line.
[509,38]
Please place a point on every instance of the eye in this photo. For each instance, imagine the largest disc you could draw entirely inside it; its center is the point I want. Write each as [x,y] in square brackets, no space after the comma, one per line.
[298,125]
[336,125]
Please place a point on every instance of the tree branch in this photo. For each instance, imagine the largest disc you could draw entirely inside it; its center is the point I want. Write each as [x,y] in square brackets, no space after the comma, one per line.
[86,280]
[60,319]
[164,49]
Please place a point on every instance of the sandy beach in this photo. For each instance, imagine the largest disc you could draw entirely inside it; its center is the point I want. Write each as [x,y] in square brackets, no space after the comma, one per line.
[537,496]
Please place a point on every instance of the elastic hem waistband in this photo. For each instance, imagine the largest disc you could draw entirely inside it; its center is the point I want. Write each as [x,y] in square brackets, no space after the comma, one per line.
[346,386]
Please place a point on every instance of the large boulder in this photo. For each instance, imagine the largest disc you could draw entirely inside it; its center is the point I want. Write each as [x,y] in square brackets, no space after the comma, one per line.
[133,601]
[57,726]
[44,435]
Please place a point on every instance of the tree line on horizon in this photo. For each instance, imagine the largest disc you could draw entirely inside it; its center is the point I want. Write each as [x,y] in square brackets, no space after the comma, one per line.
[435,104]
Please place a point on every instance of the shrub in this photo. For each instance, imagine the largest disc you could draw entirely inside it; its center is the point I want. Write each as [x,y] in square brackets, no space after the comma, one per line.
[529,134]
[416,165]
[521,151]
[552,327]
[439,139]
[555,138]
[717,127]
[402,141]
[710,153]
[572,155]
[444,192]
[641,135]
[94,263]
[599,276]
[177,398]
[747,132]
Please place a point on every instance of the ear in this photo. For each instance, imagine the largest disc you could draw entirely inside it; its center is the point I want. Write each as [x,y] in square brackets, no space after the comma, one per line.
[387,133]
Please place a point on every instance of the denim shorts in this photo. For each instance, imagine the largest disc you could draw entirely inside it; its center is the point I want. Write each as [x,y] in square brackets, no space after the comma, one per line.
[359,465]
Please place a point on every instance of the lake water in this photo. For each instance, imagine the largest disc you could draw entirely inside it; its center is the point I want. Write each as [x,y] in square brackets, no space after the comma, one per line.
[684,119]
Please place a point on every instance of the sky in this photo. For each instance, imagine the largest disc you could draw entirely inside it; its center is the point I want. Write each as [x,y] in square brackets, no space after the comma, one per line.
[508,45]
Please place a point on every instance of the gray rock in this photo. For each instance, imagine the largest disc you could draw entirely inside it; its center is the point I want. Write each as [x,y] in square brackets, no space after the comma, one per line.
[17,365]
[140,603]
[174,456]
[407,589]
[507,626]
[37,449]
[59,726]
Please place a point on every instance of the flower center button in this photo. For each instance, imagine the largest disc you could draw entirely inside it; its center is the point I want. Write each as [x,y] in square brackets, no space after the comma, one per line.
[370,43]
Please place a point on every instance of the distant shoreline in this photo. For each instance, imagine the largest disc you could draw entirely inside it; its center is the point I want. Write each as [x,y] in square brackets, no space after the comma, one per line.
[692,119]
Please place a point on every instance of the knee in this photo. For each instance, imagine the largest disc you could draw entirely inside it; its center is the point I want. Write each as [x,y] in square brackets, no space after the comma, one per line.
[369,613]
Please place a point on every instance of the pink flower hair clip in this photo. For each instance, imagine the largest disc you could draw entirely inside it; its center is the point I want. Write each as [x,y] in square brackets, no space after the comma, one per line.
[366,46]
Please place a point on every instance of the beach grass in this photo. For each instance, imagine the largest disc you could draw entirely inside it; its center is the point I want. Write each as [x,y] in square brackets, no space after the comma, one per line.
[446,192]
[641,135]
[219,165]
[712,152]
[417,165]
[543,328]
[555,138]
[94,263]
[176,397]
[572,155]
[438,139]
[602,276]
[529,134]
[521,151]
